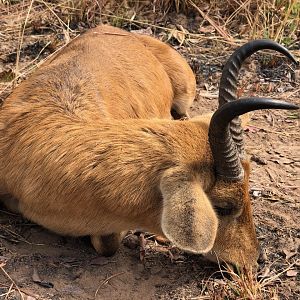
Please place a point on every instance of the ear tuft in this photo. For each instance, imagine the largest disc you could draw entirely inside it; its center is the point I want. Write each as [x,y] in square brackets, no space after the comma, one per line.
[188,218]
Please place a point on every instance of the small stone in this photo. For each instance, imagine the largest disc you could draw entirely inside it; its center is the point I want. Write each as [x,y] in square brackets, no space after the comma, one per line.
[256,193]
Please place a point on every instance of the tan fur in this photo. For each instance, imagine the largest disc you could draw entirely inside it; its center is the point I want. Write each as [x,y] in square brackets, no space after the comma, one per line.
[133,76]
[78,163]
[180,74]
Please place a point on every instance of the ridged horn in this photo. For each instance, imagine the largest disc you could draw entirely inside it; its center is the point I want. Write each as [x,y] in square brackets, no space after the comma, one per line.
[224,150]
[229,79]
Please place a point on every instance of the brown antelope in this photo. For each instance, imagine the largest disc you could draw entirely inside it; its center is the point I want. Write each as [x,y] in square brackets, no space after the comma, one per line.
[73,159]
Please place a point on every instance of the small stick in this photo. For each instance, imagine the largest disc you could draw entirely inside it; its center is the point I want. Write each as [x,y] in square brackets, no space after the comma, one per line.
[9,291]
[22,290]
[11,280]
[16,235]
[106,281]
[111,33]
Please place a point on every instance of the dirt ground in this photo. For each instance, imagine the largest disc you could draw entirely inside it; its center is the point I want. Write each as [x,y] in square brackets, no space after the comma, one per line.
[46,266]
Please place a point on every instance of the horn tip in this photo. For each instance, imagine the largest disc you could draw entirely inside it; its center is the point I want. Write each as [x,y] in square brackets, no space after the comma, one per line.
[293,106]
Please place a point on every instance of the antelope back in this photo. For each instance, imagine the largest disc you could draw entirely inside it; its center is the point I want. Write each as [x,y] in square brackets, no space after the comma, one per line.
[181,76]
[135,76]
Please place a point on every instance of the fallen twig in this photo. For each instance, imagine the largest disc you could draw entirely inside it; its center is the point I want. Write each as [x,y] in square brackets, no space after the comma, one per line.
[11,280]
[24,291]
[106,281]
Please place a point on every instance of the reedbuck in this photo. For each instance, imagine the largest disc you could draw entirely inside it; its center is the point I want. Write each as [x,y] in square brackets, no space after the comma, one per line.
[74,159]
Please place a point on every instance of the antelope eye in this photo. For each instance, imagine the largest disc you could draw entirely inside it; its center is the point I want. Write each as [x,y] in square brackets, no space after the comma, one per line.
[224,211]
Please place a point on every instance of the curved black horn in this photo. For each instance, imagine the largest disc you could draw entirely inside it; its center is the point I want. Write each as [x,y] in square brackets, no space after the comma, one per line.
[224,150]
[228,83]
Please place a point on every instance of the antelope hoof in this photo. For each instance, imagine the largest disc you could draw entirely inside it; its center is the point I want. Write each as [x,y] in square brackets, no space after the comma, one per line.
[106,245]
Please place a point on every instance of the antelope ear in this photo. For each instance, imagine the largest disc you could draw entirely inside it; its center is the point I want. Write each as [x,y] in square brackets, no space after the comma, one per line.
[188,218]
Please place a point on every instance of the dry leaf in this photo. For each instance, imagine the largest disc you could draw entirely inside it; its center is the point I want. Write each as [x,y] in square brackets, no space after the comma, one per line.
[207,29]
[179,35]
[161,239]
[289,254]
[291,273]
[251,129]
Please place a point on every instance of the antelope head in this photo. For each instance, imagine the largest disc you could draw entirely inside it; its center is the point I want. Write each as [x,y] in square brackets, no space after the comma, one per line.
[232,237]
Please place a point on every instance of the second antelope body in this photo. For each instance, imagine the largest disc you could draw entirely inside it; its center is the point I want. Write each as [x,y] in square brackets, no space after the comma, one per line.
[88,147]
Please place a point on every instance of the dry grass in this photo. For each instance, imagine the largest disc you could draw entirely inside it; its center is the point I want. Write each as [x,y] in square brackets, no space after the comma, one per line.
[274,19]
[184,21]
[242,285]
